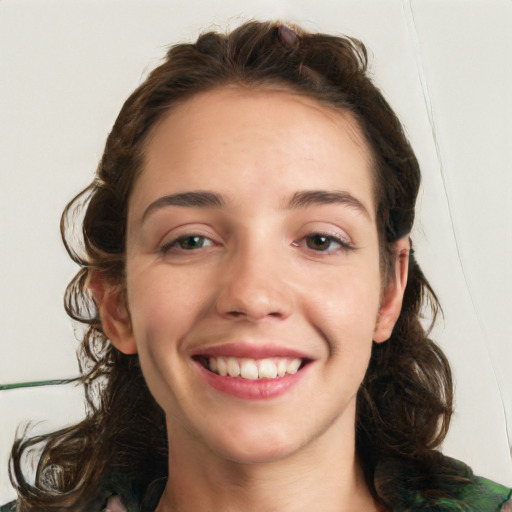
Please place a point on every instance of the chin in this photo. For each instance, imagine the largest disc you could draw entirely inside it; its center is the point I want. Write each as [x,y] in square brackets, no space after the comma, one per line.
[258,444]
[257,453]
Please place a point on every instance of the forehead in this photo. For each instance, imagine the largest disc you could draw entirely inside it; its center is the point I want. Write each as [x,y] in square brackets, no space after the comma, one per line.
[278,110]
[264,139]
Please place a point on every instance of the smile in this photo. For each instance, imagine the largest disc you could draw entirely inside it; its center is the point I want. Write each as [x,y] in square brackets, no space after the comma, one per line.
[264,376]
[252,369]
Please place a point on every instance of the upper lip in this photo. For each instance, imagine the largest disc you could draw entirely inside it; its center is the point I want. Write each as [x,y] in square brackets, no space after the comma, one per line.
[250,351]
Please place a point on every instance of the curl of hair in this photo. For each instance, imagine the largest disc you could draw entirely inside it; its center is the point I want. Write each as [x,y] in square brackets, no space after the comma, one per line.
[405,402]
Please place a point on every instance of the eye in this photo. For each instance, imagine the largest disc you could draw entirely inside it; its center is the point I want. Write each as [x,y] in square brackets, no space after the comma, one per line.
[326,243]
[187,243]
[319,242]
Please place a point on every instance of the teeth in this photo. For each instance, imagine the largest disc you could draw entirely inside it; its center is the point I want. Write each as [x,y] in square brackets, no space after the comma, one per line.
[281,367]
[222,367]
[253,369]
[293,367]
[249,370]
[233,368]
[267,369]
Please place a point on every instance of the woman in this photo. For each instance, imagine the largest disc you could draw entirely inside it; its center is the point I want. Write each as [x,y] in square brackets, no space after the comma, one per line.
[253,303]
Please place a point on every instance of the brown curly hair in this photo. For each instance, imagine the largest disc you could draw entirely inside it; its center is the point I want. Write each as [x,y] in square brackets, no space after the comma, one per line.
[405,401]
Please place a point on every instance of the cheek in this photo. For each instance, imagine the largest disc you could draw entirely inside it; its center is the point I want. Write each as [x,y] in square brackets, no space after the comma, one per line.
[350,302]
[345,315]
[166,302]
[164,307]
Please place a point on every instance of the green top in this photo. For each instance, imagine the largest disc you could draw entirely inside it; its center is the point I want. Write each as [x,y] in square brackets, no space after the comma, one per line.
[481,495]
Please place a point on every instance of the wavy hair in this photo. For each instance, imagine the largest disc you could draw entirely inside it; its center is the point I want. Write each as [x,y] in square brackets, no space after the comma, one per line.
[405,401]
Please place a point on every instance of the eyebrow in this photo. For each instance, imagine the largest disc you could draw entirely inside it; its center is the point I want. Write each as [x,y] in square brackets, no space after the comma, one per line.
[196,199]
[301,199]
[308,198]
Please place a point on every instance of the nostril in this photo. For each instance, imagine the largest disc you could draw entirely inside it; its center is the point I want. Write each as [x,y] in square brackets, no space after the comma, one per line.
[250,302]
[254,315]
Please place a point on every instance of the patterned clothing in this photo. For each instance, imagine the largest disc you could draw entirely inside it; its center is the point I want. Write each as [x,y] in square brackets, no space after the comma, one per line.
[481,495]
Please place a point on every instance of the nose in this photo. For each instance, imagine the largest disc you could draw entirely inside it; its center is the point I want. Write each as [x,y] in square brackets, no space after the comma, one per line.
[254,288]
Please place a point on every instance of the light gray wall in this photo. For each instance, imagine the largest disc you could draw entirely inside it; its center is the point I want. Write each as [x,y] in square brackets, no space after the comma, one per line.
[445,65]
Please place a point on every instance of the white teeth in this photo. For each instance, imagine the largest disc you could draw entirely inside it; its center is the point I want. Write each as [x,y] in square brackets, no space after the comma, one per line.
[281,367]
[233,368]
[222,367]
[253,369]
[249,370]
[267,369]
[293,366]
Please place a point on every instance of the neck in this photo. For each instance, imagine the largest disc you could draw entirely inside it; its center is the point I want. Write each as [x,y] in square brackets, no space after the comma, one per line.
[323,476]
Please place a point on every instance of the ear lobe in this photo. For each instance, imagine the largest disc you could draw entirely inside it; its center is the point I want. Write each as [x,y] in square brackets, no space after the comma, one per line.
[392,298]
[114,316]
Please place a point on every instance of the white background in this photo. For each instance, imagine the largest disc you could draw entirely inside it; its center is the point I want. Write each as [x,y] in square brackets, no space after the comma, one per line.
[445,66]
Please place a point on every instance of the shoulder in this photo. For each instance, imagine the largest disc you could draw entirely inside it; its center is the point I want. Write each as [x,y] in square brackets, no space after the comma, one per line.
[117,493]
[402,490]
[485,495]
[122,494]
[438,483]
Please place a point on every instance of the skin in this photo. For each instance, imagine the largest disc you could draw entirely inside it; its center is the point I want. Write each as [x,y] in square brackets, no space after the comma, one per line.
[259,274]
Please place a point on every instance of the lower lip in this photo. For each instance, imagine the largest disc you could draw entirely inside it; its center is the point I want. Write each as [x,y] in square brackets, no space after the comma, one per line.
[258,389]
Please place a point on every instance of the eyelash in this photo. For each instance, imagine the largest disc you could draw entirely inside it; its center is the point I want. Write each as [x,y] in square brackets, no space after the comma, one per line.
[343,245]
[172,244]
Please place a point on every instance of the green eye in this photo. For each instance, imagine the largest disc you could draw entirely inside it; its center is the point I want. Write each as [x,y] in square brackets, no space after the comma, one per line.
[186,243]
[189,243]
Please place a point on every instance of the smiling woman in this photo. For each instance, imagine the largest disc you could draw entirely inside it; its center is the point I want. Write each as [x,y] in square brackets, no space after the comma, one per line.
[252,300]
[259,273]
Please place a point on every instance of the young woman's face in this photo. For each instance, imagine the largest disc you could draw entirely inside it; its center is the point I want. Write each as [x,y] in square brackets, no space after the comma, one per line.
[252,248]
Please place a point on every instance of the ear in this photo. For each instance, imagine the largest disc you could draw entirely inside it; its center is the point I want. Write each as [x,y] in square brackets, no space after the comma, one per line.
[392,296]
[114,315]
